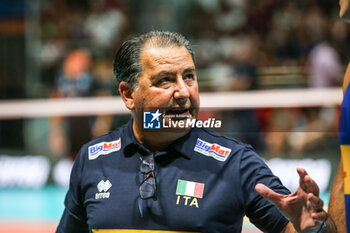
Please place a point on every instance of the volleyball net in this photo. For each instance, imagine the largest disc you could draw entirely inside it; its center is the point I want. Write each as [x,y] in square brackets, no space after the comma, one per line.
[286,98]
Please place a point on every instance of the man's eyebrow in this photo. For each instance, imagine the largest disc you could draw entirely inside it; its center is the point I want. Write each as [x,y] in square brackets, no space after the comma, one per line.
[163,73]
[170,73]
[189,70]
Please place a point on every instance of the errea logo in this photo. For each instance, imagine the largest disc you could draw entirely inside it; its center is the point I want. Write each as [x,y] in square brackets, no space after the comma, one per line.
[212,149]
[103,187]
[103,148]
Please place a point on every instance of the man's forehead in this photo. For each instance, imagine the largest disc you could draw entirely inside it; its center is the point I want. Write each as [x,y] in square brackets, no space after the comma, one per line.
[151,57]
[162,50]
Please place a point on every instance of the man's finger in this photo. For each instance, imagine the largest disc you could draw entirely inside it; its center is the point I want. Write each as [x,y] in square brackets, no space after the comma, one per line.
[302,173]
[269,194]
[306,183]
[319,217]
[316,202]
[304,177]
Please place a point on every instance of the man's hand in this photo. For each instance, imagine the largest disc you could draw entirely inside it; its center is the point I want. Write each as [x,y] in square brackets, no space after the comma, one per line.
[304,208]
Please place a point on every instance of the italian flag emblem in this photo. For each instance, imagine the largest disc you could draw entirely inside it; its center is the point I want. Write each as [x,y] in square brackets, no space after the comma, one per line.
[189,188]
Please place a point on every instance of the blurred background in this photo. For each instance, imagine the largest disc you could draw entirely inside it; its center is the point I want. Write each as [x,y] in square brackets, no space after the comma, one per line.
[63,50]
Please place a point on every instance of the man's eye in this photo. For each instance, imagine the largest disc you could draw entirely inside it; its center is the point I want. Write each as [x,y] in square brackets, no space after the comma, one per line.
[163,81]
[189,76]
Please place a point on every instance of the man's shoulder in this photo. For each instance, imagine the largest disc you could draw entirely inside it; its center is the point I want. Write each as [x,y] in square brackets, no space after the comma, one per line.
[218,146]
[111,136]
[208,134]
[103,144]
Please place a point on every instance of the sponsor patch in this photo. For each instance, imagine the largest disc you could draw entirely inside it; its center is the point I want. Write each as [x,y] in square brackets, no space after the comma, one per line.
[103,148]
[212,149]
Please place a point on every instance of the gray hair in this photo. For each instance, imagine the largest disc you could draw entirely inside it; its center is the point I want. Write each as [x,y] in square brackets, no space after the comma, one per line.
[127,64]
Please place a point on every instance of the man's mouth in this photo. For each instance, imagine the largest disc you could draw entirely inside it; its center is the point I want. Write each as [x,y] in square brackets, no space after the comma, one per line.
[178,113]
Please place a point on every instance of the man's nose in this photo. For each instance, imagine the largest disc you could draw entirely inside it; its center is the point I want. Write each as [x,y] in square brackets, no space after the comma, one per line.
[181,91]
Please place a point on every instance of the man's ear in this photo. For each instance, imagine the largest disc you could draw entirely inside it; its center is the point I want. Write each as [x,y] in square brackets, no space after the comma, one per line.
[126,91]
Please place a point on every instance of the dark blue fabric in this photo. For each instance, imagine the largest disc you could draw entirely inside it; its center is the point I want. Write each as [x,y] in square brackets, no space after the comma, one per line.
[344,137]
[347,209]
[228,193]
[344,121]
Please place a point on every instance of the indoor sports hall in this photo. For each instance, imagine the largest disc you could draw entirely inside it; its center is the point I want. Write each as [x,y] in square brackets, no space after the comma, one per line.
[270,71]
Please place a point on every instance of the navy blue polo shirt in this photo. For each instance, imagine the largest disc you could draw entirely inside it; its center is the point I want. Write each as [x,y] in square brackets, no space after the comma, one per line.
[204,183]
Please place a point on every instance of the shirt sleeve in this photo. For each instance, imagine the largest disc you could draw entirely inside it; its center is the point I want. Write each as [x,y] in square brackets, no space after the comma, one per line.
[260,212]
[74,216]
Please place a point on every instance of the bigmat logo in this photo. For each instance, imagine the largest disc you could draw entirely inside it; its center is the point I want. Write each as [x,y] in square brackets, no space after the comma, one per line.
[212,149]
[103,148]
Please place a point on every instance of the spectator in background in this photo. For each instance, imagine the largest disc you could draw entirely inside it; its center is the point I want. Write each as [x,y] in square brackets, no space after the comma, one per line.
[75,80]
[229,16]
[101,71]
[99,25]
[243,77]
[244,71]
[323,60]
[325,66]
[105,26]
[304,129]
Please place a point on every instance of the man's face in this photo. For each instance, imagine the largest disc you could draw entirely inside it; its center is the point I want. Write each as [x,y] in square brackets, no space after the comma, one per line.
[168,82]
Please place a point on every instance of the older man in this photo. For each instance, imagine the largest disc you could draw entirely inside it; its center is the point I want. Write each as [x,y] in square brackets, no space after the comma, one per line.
[180,178]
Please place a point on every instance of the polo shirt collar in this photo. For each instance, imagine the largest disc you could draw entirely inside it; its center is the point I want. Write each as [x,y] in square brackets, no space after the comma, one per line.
[185,145]
[131,145]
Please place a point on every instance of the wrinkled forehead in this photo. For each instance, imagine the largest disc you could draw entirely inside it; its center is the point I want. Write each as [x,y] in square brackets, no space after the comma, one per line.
[166,58]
